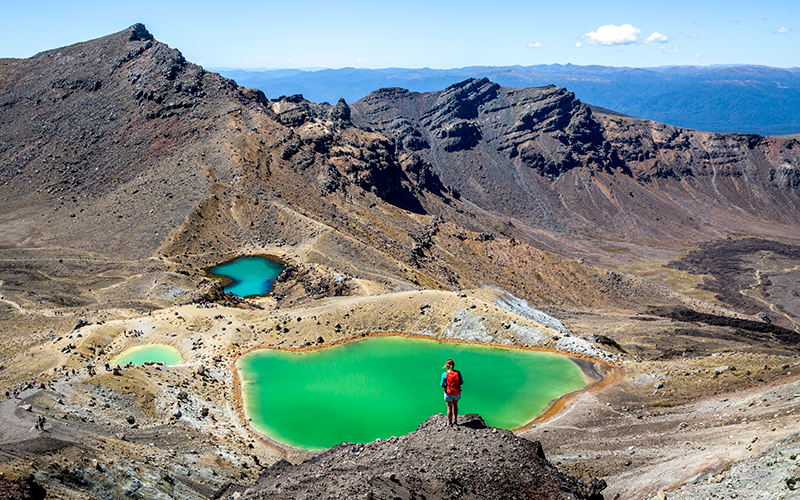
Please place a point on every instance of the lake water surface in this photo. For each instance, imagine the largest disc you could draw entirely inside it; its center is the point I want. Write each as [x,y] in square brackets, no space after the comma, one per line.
[385,386]
[155,352]
[251,275]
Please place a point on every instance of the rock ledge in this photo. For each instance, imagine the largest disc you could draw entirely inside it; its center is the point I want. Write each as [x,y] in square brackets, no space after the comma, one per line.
[469,461]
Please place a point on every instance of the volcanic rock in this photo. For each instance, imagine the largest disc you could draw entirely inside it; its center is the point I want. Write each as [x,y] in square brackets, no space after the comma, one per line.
[435,461]
[557,161]
[21,489]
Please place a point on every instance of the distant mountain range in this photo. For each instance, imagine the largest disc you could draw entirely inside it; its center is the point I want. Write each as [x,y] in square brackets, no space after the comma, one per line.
[746,99]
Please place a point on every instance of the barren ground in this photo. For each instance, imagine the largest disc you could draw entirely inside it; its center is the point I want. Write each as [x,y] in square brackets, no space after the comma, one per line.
[687,410]
[128,170]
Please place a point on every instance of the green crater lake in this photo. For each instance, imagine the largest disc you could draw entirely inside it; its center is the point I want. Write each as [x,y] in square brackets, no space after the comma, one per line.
[250,275]
[155,353]
[387,386]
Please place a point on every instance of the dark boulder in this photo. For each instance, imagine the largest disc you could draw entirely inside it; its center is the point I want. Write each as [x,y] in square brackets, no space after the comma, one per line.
[21,489]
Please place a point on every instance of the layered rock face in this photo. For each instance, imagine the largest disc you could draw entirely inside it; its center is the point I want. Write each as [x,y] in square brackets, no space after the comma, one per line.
[541,155]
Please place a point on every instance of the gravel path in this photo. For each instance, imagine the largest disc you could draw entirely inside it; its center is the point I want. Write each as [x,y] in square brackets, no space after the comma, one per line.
[20,438]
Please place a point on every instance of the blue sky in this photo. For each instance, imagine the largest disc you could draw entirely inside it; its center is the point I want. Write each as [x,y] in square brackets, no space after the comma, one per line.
[430,33]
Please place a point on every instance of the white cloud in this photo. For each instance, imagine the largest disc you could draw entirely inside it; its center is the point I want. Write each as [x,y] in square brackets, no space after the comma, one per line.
[577,45]
[656,37]
[782,30]
[535,45]
[611,34]
[691,35]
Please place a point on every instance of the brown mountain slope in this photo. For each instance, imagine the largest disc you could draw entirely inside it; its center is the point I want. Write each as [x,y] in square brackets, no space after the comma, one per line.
[124,170]
[118,154]
[540,156]
[122,163]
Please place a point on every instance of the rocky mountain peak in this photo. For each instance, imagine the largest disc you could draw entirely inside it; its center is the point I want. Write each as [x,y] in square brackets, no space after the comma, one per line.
[460,101]
[340,114]
[139,32]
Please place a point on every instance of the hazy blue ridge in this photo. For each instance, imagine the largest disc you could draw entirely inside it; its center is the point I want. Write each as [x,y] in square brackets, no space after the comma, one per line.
[747,99]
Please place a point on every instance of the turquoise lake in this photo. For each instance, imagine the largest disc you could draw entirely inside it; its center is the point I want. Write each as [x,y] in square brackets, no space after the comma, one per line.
[250,275]
[155,353]
[387,386]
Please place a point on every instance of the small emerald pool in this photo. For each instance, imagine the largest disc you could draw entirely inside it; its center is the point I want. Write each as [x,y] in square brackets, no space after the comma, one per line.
[387,386]
[249,276]
[154,352]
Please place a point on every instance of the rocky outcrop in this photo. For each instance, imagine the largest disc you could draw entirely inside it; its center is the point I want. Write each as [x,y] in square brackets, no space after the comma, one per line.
[323,141]
[21,489]
[435,461]
[544,128]
[541,155]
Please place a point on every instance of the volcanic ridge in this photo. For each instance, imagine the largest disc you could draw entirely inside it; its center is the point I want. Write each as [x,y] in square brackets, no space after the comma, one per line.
[664,260]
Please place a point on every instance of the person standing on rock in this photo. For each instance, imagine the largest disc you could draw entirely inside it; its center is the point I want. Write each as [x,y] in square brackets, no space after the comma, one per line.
[451,382]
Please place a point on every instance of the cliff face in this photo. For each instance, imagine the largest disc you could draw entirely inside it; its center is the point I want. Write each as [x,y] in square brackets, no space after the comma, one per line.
[541,155]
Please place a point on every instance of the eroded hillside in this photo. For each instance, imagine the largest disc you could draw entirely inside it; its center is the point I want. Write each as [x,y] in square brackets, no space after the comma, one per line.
[484,213]
[547,161]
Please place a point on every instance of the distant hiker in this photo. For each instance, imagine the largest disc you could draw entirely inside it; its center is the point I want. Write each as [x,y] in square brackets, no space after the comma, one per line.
[451,382]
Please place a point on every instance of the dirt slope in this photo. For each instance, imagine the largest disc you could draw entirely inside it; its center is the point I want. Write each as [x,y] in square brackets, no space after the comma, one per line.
[477,213]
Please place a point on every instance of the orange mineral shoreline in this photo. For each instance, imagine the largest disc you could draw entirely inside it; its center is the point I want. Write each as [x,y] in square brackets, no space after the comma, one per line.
[612,375]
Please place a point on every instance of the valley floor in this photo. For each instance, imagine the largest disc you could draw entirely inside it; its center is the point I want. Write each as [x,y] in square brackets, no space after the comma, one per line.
[688,423]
